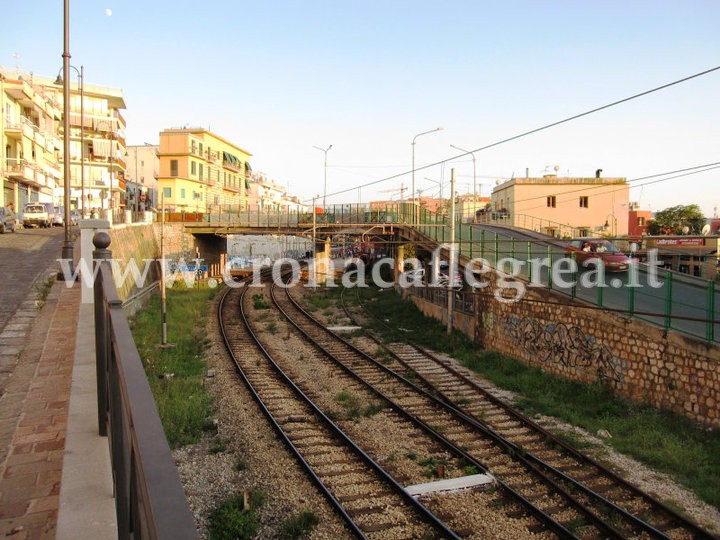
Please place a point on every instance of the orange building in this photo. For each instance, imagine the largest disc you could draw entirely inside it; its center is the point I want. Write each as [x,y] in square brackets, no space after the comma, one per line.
[637,220]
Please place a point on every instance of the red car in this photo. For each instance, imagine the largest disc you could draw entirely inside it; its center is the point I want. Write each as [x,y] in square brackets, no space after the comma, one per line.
[594,249]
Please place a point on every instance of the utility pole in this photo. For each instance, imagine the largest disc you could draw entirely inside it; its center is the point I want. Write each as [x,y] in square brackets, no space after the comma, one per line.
[453,262]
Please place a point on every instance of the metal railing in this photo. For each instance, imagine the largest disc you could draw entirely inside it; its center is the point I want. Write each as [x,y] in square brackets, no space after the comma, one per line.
[662,297]
[149,497]
[684,303]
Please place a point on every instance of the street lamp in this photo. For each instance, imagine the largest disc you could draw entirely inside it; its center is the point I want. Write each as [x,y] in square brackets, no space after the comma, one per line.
[59,81]
[414,220]
[440,183]
[325,151]
[612,228]
[67,248]
[474,177]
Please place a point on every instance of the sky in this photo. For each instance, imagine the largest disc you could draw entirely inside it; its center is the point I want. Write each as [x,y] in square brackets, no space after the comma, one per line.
[280,77]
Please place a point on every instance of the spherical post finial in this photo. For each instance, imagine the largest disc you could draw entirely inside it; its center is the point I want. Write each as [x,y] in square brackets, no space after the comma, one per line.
[101,240]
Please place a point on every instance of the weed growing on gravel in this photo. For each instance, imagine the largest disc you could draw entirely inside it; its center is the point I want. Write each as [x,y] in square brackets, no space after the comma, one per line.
[43,290]
[217,445]
[663,440]
[299,525]
[230,520]
[182,401]
[259,301]
[272,327]
[240,464]
[432,466]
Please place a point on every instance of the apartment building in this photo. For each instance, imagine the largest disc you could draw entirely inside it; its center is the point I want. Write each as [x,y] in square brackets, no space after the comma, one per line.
[30,149]
[638,220]
[142,168]
[200,171]
[31,137]
[564,206]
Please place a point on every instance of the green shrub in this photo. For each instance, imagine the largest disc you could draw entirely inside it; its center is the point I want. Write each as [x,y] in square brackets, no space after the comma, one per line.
[299,525]
[231,521]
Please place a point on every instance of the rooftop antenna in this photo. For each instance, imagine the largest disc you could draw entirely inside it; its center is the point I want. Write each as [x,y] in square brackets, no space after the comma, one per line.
[16,56]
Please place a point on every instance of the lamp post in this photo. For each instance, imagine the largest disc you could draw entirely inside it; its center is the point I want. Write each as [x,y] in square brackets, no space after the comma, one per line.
[414,220]
[325,151]
[67,248]
[611,225]
[81,78]
[474,177]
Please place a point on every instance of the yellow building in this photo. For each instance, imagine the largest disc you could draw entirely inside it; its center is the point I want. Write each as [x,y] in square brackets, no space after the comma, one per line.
[30,148]
[562,207]
[201,172]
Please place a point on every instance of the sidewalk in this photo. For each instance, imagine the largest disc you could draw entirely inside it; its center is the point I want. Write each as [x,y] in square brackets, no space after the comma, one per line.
[55,479]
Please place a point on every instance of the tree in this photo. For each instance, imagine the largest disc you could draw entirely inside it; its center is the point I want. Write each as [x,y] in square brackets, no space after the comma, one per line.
[674,219]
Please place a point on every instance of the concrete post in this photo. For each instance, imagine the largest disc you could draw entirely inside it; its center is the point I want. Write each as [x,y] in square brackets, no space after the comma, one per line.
[88,228]
[399,263]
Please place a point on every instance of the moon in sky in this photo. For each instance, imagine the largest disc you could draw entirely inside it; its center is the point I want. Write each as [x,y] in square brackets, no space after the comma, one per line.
[108,12]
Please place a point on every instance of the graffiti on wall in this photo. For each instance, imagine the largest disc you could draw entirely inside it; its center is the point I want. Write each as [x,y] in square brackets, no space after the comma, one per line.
[569,346]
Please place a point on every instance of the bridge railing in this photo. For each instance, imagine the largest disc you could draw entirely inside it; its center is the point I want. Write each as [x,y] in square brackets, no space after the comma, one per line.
[676,301]
[149,497]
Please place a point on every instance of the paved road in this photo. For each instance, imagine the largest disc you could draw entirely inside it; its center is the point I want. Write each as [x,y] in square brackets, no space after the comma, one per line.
[27,259]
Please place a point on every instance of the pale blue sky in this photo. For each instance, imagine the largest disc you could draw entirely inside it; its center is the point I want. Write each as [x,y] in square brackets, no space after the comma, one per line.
[278,77]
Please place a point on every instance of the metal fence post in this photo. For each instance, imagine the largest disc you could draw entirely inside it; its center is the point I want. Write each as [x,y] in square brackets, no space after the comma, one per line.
[550,259]
[101,255]
[710,328]
[631,300]
[529,255]
[668,300]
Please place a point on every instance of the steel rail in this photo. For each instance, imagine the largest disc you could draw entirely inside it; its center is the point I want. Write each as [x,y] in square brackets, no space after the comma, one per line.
[428,516]
[518,453]
[508,448]
[677,521]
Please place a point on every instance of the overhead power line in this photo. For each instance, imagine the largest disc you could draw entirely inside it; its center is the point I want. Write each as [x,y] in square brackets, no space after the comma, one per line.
[532,131]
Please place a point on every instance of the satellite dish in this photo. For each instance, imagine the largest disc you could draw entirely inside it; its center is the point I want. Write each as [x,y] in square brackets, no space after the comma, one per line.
[556,168]
[685,229]
[705,230]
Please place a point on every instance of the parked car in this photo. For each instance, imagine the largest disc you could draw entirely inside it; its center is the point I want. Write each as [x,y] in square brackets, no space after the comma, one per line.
[587,251]
[444,275]
[38,214]
[59,216]
[7,220]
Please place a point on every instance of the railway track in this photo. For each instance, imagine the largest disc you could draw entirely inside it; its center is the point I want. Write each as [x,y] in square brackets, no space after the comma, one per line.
[454,387]
[562,498]
[370,501]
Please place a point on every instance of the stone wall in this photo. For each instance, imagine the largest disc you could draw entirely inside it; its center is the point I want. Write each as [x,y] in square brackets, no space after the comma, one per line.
[581,342]
[134,243]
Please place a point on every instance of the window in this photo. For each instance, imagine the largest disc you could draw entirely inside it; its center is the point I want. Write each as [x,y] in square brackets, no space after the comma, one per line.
[551,201]
[193,168]
[182,193]
[192,146]
[173,167]
[583,202]
[641,221]
[167,192]
[201,171]
[201,149]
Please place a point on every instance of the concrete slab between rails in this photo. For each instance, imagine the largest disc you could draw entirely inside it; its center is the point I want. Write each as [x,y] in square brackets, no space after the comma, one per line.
[450,484]
[344,328]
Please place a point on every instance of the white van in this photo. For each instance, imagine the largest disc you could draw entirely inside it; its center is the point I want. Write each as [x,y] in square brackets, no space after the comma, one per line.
[38,214]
